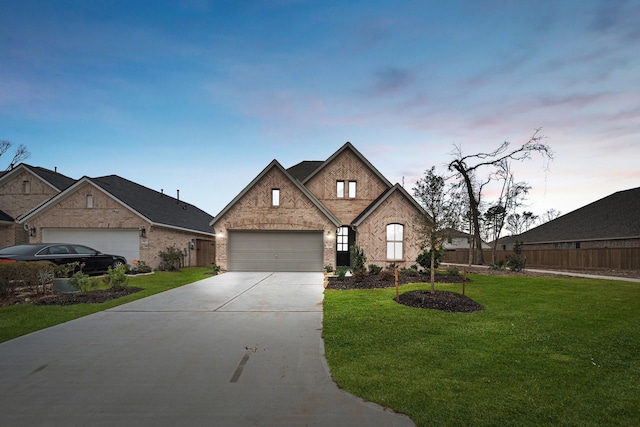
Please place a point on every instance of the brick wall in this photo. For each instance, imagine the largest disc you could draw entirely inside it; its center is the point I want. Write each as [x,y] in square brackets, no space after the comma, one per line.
[15,202]
[107,213]
[254,212]
[371,234]
[346,167]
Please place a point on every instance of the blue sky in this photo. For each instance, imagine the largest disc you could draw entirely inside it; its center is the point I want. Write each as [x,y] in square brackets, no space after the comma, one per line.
[201,95]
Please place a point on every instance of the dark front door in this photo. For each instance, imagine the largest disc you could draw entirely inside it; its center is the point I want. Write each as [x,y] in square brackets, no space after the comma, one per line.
[344,240]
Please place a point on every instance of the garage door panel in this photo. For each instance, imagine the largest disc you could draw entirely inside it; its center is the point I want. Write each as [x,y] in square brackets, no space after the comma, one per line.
[109,241]
[275,251]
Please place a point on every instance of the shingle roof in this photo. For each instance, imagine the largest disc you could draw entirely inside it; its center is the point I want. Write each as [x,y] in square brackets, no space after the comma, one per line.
[155,206]
[5,218]
[613,217]
[59,181]
[303,169]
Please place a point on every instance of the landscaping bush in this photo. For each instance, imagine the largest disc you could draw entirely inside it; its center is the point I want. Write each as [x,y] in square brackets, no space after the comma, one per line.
[424,258]
[171,259]
[341,272]
[358,258]
[83,282]
[374,269]
[34,276]
[515,260]
[116,278]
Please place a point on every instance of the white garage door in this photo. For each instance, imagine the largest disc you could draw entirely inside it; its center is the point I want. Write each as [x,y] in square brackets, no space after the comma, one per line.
[109,241]
[275,251]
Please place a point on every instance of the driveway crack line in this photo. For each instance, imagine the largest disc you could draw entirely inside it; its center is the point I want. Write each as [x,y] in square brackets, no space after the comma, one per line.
[242,293]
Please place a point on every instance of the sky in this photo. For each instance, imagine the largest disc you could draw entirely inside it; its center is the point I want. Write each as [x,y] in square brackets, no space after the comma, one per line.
[200,96]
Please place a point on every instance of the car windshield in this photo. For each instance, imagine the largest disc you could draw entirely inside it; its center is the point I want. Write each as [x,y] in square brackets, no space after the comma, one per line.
[17,250]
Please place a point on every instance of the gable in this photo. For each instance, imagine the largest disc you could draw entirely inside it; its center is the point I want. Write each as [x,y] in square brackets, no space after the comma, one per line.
[252,208]
[21,190]
[347,164]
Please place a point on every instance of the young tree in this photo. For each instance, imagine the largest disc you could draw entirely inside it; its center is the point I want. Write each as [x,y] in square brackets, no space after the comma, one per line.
[548,215]
[434,225]
[466,167]
[20,154]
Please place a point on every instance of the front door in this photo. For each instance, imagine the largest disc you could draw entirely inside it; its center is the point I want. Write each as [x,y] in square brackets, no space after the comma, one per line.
[344,241]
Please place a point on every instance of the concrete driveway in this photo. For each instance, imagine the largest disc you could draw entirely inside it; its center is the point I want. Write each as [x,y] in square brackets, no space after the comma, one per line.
[239,349]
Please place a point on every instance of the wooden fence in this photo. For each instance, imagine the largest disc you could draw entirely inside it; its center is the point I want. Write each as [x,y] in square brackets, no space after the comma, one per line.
[600,258]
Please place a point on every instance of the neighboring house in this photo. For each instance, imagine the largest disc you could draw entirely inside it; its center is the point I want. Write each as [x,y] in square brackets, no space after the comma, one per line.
[109,213]
[611,222]
[310,215]
[459,240]
[21,189]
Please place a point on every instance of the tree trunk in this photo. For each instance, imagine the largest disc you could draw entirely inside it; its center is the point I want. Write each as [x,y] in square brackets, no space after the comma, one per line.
[433,270]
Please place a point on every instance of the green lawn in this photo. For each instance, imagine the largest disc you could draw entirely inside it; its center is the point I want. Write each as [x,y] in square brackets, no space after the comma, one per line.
[545,351]
[25,318]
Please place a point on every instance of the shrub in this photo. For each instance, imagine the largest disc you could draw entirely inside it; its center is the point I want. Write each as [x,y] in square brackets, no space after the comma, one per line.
[116,278]
[515,260]
[215,268]
[424,258]
[34,276]
[83,282]
[328,268]
[497,266]
[341,272]
[170,259]
[359,275]
[412,271]
[358,258]
[374,269]
[453,270]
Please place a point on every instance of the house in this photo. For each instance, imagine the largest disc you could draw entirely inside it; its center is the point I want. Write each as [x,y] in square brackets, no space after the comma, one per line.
[109,213]
[309,216]
[459,240]
[611,222]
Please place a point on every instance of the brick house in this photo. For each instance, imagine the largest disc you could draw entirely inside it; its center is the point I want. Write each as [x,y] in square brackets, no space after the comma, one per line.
[309,216]
[611,222]
[110,214]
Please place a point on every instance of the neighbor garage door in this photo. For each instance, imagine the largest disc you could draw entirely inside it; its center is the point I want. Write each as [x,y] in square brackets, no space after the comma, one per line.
[275,251]
[109,241]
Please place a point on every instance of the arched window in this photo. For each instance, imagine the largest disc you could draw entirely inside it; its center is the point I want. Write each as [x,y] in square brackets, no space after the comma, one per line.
[395,235]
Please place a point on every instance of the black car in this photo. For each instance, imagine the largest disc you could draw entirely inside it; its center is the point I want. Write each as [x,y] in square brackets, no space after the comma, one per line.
[63,253]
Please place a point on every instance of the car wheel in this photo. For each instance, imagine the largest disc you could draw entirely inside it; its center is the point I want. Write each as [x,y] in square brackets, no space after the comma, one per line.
[117,264]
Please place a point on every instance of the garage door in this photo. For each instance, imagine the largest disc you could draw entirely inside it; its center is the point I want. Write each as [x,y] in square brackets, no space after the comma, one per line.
[275,251]
[116,242]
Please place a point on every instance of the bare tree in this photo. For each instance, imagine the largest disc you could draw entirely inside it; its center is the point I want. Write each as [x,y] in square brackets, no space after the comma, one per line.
[548,215]
[20,154]
[466,166]
[511,197]
[519,223]
[439,218]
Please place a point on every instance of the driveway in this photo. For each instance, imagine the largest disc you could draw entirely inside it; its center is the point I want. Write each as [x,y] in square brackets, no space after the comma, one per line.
[238,349]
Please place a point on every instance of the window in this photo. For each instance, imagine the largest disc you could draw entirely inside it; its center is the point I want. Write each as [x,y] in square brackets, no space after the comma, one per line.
[89,200]
[275,197]
[340,189]
[342,241]
[352,189]
[26,187]
[394,241]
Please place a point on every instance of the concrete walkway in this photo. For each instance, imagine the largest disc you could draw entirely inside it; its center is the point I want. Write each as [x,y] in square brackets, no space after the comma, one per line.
[239,349]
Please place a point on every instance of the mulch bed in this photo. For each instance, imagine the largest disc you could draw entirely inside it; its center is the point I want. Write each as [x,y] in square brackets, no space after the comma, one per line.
[91,297]
[58,298]
[451,302]
[440,300]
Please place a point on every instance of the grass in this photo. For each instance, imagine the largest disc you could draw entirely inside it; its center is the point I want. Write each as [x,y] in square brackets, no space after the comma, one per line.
[22,319]
[545,351]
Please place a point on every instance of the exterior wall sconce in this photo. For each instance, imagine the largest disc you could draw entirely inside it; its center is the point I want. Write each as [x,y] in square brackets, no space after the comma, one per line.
[32,232]
[143,232]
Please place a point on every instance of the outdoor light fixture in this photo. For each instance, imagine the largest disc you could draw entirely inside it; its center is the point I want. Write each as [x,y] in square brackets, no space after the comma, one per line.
[143,232]
[32,232]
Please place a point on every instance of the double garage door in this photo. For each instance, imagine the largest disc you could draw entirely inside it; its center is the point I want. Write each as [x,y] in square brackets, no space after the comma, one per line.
[125,243]
[275,251]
